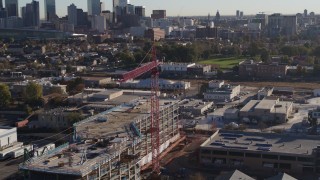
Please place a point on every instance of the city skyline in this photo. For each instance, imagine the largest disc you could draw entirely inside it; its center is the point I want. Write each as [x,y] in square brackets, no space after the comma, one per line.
[195,8]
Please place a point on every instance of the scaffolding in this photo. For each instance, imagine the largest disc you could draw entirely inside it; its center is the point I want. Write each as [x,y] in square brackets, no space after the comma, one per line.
[116,155]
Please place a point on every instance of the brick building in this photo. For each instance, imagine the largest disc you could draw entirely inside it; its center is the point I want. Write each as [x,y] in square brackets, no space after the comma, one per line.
[155,34]
[251,69]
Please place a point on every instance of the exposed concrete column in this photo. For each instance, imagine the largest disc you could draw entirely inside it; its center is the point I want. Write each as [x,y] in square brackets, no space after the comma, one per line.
[99,172]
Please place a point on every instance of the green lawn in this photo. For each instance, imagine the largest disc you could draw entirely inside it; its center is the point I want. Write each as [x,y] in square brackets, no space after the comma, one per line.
[225,63]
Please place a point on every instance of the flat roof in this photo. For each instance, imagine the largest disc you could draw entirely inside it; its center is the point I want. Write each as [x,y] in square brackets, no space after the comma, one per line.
[250,105]
[95,78]
[117,120]
[263,142]
[266,104]
[113,129]
[196,104]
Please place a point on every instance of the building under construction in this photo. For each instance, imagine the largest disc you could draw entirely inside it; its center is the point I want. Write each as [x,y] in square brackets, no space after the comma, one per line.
[115,144]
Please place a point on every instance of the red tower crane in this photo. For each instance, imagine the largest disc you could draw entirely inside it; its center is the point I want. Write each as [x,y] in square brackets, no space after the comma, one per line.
[155,115]
[155,110]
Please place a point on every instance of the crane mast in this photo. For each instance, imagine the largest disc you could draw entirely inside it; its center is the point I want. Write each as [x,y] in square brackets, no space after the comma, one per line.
[155,115]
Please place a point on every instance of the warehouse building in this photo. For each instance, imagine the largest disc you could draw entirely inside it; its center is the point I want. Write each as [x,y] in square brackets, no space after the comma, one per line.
[265,152]
[221,92]
[195,107]
[267,110]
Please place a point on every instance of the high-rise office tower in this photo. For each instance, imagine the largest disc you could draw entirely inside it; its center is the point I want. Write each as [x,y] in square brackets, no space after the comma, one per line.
[12,7]
[94,7]
[102,6]
[31,14]
[49,9]
[238,13]
[1,5]
[120,3]
[72,14]
[159,14]
[140,11]
[305,13]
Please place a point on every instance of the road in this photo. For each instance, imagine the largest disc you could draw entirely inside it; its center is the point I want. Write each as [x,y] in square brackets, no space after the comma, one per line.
[9,168]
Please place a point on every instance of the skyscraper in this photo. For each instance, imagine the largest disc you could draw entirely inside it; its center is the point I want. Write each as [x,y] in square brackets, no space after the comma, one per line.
[31,14]
[49,9]
[72,14]
[140,11]
[1,5]
[94,7]
[305,13]
[12,7]
[120,3]
[238,13]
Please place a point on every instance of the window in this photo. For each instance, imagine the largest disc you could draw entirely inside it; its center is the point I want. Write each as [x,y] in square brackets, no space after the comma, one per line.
[305,159]
[255,155]
[269,156]
[205,151]
[284,166]
[241,154]
[219,152]
[288,158]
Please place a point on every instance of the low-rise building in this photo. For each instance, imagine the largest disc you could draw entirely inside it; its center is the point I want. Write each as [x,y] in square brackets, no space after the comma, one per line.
[18,89]
[251,69]
[59,118]
[267,110]
[199,70]
[196,107]
[231,114]
[267,152]
[172,67]
[96,81]
[218,91]
[106,95]
[264,92]
[8,136]
[15,49]
[233,176]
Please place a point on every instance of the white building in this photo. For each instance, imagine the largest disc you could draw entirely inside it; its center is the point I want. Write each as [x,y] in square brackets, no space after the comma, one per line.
[188,22]
[224,93]
[176,67]
[99,23]
[8,136]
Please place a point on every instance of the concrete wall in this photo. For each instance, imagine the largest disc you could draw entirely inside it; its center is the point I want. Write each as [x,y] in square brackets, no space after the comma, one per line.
[8,136]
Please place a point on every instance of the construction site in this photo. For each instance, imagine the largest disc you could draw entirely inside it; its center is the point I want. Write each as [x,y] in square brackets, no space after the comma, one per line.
[118,143]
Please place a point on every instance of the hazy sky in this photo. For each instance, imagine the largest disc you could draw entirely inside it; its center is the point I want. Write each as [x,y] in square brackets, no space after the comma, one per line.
[201,7]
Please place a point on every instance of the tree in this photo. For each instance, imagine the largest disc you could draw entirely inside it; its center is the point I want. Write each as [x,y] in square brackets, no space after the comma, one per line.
[5,96]
[33,93]
[316,51]
[74,117]
[262,126]
[73,87]
[264,55]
